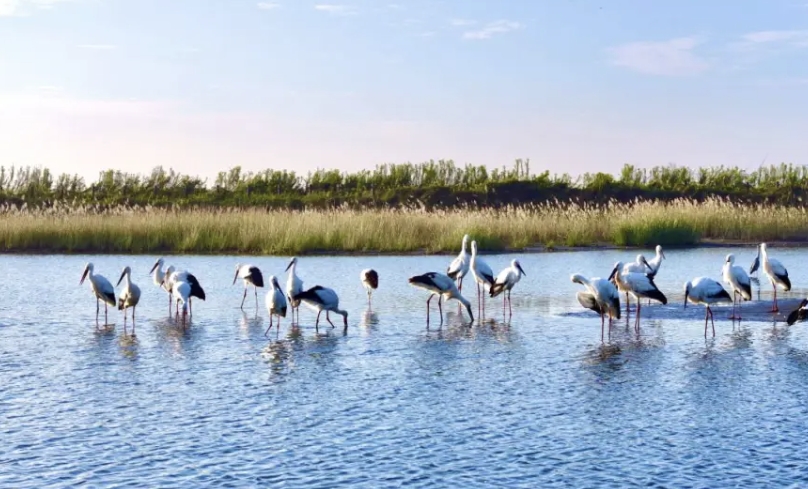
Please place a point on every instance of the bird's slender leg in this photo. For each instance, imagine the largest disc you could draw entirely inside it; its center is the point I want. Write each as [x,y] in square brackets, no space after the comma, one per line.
[328,318]
[637,319]
[774,307]
[256,297]
[124,322]
[510,304]
[317,322]
[106,318]
[712,320]
[427,309]
[133,320]
[627,303]
[440,308]
[97,309]
[190,307]
[706,315]
[734,297]
[602,323]
[243,297]
[270,324]
[169,303]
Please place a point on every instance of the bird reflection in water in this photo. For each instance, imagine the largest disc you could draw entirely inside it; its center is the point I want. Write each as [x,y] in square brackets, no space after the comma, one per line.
[248,323]
[129,346]
[368,322]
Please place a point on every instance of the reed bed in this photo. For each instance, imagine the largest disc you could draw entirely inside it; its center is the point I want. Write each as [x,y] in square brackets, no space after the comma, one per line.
[275,232]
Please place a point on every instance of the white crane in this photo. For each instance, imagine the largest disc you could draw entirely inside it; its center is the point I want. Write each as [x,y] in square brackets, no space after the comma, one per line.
[442,286]
[505,282]
[251,275]
[703,290]
[102,289]
[740,282]
[601,296]
[276,302]
[777,273]
[370,280]
[656,262]
[173,276]
[293,287]
[322,299]
[460,265]
[129,297]
[483,275]
[639,266]
[640,285]
[158,277]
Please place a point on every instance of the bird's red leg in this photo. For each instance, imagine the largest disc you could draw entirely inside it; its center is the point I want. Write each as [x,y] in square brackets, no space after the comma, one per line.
[270,324]
[712,320]
[706,315]
[427,309]
[774,306]
[328,318]
[133,320]
[602,323]
[440,308]
[317,322]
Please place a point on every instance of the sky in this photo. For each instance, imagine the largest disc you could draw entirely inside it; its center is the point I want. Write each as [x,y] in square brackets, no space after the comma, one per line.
[575,86]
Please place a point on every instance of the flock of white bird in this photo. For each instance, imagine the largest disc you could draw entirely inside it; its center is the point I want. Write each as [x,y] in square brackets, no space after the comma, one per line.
[181,286]
[637,279]
[600,295]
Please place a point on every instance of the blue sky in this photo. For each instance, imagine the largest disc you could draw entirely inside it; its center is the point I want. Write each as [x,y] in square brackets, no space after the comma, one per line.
[574,85]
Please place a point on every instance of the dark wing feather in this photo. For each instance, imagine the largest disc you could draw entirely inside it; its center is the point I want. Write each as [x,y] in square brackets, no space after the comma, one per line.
[109,297]
[255,277]
[656,294]
[452,275]
[755,265]
[746,291]
[786,281]
[310,294]
[616,305]
[798,314]
[588,301]
[496,289]
[196,289]
[425,279]
[373,279]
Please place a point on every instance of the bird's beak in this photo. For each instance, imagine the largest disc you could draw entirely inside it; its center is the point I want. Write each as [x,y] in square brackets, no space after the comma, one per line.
[235,277]
[663,255]
[288,266]
[646,263]
[520,270]
[153,267]
[83,276]
[121,278]
[611,275]
[685,307]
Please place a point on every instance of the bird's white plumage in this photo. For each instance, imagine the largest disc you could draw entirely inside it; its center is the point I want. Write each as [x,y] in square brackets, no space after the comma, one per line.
[276,299]
[775,270]
[636,283]
[158,274]
[442,286]
[460,265]
[640,265]
[656,262]
[100,286]
[181,291]
[321,299]
[737,278]
[245,273]
[704,290]
[604,292]
[507,278]
[293,283]
[482,273]
[130,294]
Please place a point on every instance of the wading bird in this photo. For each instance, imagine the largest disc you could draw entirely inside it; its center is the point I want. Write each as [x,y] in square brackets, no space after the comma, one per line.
[173,276]
[640,285]
[703,290]
[158,277]
[740,282]
[370,280]
[276,302]
[129,297]
[293,287]
[442,286]
[181,291]
[639,266]
[251,275]
[601,296]
[322,299]
[656,262]
[482,275]
[777,273]
[460,265]
[102,289]
[505,282]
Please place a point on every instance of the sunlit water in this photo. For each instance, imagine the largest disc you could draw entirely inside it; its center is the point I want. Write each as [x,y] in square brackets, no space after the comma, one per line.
[537,401]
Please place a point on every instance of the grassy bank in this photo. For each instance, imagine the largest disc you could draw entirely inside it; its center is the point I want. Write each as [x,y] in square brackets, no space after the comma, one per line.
[681,222]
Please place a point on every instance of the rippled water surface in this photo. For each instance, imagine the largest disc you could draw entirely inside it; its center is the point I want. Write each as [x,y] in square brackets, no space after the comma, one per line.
[536,401]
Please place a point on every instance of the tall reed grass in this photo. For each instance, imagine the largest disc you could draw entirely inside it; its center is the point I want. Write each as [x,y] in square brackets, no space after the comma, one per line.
[148,230]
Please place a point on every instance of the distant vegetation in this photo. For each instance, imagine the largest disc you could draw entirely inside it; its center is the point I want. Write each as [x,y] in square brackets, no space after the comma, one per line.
[429,185]
[397,208]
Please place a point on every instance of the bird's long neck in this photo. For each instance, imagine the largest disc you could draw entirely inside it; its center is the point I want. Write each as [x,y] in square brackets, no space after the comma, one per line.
[126,279]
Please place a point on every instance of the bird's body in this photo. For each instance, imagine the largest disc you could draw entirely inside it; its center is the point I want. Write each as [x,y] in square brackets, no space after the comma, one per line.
[460,265]
[798,314]
[173,277]
[640,285]
[129,297]
[250,275]
[505,282]
[370,281]
[322,299]
[601,296]
[294,286]
[442,286]
[158,277]
[704,290]
[640,265]
[483,275]
[276,302]
[181,292]
[102,290]
[777,273]
[738,280]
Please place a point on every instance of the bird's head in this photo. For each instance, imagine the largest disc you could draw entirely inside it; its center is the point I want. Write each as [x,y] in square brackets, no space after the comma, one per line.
[659,251]
[617,267]
[274,281]
[730,259]
[126,270]
[157,264]
[577,278]
[292,262]
[516,265]
[87,269]
[238,267]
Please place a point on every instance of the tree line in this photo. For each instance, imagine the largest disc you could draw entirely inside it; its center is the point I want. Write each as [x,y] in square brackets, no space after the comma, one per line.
[439,183]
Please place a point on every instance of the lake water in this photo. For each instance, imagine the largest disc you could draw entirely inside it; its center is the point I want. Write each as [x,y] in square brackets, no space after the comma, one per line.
[537,401]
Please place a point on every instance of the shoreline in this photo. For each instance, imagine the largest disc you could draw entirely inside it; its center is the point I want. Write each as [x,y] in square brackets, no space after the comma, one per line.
[538,249]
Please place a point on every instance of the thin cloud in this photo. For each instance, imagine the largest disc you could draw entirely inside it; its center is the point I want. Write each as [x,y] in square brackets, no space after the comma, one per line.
[462,22]
[268,5]
[675,57]
[17,8]
[492,29]
[335,9]
[799,37]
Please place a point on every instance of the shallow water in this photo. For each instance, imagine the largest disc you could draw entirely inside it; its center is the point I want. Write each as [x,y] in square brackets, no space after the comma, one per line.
[537,401]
